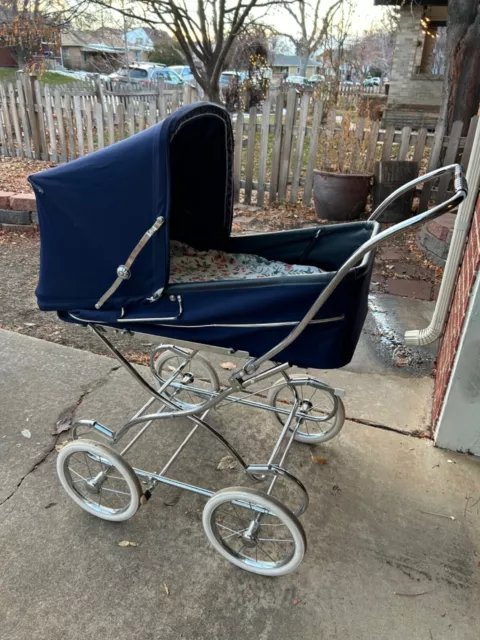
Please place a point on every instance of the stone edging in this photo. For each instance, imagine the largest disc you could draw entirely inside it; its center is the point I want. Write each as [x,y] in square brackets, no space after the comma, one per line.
[17,209]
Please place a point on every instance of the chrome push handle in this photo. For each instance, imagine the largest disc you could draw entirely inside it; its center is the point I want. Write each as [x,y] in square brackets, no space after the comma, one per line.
[459,185]
[460,193]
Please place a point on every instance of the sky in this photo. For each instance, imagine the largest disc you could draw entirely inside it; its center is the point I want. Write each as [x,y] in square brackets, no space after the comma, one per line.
[366,13]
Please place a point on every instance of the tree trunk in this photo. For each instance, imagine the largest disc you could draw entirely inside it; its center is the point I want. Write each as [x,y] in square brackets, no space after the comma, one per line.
[461,88]
[303,64]
[212,91]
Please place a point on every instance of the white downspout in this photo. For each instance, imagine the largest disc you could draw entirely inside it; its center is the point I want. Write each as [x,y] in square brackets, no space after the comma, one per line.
[420,337]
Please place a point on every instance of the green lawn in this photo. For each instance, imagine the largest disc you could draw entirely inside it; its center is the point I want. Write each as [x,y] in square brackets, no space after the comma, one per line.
[49,77]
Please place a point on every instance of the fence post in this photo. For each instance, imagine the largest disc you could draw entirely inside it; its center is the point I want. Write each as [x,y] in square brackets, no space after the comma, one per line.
[312,155]
[162,107]
[23,117]
[287,143]
[237,175]
[252,130]
[99,89]
[28,84]
[432,164]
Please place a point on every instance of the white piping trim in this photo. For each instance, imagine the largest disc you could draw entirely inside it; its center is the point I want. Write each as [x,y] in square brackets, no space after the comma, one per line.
[204,326]
[201,326]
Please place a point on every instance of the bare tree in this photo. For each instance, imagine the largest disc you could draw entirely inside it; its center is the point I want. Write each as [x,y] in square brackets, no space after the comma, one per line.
[336,43]
[312,26]
[26,24]
[205,32]
[461,89]
[373,50]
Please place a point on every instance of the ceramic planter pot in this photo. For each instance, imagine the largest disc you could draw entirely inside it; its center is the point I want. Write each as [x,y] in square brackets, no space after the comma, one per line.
[340,196]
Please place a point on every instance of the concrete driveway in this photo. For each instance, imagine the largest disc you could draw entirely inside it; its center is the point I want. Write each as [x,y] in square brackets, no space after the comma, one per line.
[393,524]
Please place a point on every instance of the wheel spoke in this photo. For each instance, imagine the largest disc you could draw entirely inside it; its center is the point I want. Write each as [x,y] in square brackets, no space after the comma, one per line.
[86,462]
[273,540]
[77,474]
[266,553]
[123,493]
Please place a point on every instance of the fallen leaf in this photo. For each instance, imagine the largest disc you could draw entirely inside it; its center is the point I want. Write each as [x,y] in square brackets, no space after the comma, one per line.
[318,460]
[227,462]
[295,602]
[26,433]
[228,365]
[127,543]
[60,445]
[167,590]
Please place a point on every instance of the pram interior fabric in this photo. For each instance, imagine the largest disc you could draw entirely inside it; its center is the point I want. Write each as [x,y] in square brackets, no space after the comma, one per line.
[188,264]
[94,210]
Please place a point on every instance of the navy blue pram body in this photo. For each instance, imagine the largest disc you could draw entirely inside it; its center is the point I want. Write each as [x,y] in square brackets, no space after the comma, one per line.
[93,211]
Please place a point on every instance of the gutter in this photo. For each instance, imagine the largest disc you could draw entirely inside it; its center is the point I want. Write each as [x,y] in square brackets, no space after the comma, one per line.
[422,337]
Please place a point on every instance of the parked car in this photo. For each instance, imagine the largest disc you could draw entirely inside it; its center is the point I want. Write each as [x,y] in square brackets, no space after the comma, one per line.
[168,75]
[371,82]
[299,82]
[183,71]
[316,79]
[227,76]
[141,72]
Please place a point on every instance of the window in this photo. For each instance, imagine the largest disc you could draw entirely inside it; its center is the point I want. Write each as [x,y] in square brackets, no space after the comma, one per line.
[432,60]
[138,73]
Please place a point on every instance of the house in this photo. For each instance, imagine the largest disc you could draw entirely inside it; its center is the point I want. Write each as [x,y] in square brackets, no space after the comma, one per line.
[145,38]
[283,65]
[416,82]
[102,50]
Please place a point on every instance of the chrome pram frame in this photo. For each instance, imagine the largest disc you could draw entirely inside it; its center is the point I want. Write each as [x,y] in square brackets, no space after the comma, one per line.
[241,542]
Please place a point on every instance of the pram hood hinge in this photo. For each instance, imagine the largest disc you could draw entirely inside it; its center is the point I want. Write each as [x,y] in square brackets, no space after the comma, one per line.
[123,270]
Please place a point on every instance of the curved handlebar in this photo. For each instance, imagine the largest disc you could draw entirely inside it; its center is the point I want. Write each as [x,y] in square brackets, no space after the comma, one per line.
[460,193]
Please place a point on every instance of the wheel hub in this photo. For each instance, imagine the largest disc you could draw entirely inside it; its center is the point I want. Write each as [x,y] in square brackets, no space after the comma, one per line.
[249,537]
[306,406]
[92,487]
[188,378]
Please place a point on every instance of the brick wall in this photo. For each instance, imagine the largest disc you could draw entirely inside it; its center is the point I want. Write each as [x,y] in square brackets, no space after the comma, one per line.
[461,297]
[6,58]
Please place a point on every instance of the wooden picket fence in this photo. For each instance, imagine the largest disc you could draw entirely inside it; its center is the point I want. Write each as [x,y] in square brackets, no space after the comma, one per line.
[277,148]
[60,123]
[281,148]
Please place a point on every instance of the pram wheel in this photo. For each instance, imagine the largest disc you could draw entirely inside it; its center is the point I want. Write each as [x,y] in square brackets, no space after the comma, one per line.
[99,480]
[316,401]
[198,375]
[254,531]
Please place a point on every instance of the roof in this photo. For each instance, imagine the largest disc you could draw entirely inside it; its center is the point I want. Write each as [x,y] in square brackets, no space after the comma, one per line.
[157,37]
[106,40]
[280,60]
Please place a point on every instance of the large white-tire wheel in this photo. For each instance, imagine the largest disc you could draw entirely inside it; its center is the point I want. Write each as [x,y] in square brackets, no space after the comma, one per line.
[273,547]
[99,480]
[315,401]
[197,374]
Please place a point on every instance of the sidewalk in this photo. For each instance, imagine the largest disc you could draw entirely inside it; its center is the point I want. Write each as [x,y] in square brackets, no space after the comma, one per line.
[384,560]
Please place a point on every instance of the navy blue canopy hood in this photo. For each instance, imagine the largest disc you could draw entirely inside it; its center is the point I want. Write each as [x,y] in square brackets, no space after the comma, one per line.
[93,211]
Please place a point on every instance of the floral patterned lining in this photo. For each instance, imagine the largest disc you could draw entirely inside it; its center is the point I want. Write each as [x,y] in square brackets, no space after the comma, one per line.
[190,265]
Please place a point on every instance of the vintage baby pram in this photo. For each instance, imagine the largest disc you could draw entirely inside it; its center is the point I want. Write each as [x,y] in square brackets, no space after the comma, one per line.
[107,221]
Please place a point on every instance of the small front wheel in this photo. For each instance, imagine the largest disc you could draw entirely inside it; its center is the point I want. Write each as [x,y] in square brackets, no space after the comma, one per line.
[99,480]
[254,531]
